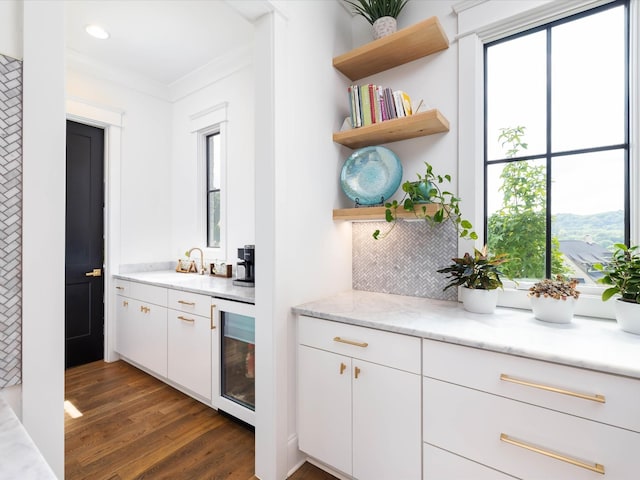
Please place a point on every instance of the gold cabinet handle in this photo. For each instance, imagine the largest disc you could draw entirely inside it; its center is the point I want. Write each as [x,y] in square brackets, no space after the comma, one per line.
[125,303]
[96,272]
[596,467]
[213,307]
[356,372]
[593,398]
[184,302]
[185,319]
[351,342]
[144,309]
[342,368]
[119,288]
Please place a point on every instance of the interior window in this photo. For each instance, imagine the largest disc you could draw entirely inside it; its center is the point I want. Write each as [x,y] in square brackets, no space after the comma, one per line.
[213,160]
[556,144]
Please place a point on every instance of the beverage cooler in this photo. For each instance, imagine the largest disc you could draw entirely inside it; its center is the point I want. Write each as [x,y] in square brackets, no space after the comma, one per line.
[236,368]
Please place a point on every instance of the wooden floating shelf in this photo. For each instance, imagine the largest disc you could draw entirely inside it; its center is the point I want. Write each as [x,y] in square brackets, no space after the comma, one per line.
[403,46]
[418,125]
[378,213]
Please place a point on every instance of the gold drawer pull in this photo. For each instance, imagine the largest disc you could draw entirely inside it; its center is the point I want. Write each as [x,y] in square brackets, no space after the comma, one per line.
[342,368]
[593,398]
[351,342]
[119,288]
[185,319]
[596,467]
[144,309]
[125,303]
[184,302]
[213,307]
[356,372]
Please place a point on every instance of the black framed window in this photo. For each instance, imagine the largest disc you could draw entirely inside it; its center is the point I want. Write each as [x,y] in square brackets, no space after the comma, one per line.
[557,144]
[213,160]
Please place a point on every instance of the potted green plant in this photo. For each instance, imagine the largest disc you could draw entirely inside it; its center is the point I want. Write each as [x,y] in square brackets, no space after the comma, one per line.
[429,189]
[382,14]
[479,277]
[553,300]
[622,272]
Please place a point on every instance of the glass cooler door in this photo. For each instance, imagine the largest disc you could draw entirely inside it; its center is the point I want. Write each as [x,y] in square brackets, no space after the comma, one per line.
[238,359]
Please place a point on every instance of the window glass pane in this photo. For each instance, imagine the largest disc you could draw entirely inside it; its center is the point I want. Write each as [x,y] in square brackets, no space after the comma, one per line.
[516,199]
[588,81]
[587,208]
[213,220]
[516,92]
[213,161]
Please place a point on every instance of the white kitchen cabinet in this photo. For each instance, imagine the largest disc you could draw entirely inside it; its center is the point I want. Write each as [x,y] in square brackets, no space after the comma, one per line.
[359,399]
[560,423]
[141,325]
[441,464]
[189,352]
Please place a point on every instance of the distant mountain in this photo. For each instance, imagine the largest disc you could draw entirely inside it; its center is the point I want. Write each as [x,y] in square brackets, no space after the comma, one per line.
[605,229]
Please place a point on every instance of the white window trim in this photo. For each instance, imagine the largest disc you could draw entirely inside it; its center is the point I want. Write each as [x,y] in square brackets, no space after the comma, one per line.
[480,22]
[204,123]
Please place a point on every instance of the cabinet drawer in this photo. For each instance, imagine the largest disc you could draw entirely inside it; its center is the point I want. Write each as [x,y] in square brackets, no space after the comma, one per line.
[482,370]
[440,464]
[472,424]
[149,293]
[385,348]
[188,302]
[122,287]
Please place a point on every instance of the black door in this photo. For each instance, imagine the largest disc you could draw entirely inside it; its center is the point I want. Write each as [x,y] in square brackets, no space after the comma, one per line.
[84,284]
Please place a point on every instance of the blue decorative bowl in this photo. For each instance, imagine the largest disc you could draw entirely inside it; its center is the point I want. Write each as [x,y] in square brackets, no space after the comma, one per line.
[371,175]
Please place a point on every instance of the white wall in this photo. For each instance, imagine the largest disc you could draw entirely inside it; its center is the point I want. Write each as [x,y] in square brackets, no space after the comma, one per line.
[305,255]
[187,190]
[43,229]
[145,223]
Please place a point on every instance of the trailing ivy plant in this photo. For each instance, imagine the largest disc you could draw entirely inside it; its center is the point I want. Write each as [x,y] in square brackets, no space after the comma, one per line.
[372,10]
[429,189]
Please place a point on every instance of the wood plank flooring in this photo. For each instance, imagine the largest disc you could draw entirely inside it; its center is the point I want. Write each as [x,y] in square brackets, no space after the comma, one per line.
[133,426]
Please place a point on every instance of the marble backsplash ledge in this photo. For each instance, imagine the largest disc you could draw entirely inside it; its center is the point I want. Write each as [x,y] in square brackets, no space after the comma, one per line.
[405,261]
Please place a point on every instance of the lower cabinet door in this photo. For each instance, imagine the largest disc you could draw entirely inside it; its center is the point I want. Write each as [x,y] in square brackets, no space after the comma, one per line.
[189,352]
[440,464]
[125,308]
[147,332]
[386,423]
[324,407]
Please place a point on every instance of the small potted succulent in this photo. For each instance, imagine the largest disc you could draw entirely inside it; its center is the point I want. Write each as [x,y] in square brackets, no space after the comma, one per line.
[622,272]
[553,300]
[430,188]
[479,277]
[381,14]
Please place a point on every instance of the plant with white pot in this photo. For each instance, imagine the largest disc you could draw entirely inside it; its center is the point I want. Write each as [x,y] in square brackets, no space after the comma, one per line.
[553,300]
[479,277]
[382,14]
[622,272]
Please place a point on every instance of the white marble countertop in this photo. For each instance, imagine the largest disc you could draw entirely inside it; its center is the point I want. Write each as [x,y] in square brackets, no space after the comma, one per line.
[21,459]
[585,342]
[218,287]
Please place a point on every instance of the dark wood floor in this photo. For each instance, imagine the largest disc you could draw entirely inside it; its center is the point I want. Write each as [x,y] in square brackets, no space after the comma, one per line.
[135,427]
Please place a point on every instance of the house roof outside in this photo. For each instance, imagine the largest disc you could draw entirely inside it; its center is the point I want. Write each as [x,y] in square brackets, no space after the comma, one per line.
[581,255]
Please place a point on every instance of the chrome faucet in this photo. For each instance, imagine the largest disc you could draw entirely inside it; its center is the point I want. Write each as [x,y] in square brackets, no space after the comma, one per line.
[201,272]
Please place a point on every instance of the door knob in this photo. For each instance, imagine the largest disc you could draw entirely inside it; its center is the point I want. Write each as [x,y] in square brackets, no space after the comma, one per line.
[96,272]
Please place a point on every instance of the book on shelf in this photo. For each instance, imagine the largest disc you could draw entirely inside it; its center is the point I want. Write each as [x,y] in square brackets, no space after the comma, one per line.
[370,104]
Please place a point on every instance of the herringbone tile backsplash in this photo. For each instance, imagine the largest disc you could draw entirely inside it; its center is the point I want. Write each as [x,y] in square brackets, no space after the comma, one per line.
[10,221]
[406,260]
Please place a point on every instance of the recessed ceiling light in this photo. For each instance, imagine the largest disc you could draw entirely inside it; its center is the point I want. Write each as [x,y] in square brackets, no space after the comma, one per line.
[97,31]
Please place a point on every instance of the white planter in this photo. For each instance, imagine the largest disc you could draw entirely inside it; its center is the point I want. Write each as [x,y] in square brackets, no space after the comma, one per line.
[384,26]
[628,316]
[549,309]
[479,301]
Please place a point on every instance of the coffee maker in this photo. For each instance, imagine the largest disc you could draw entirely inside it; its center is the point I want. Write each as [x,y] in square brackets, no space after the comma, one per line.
[245,269]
